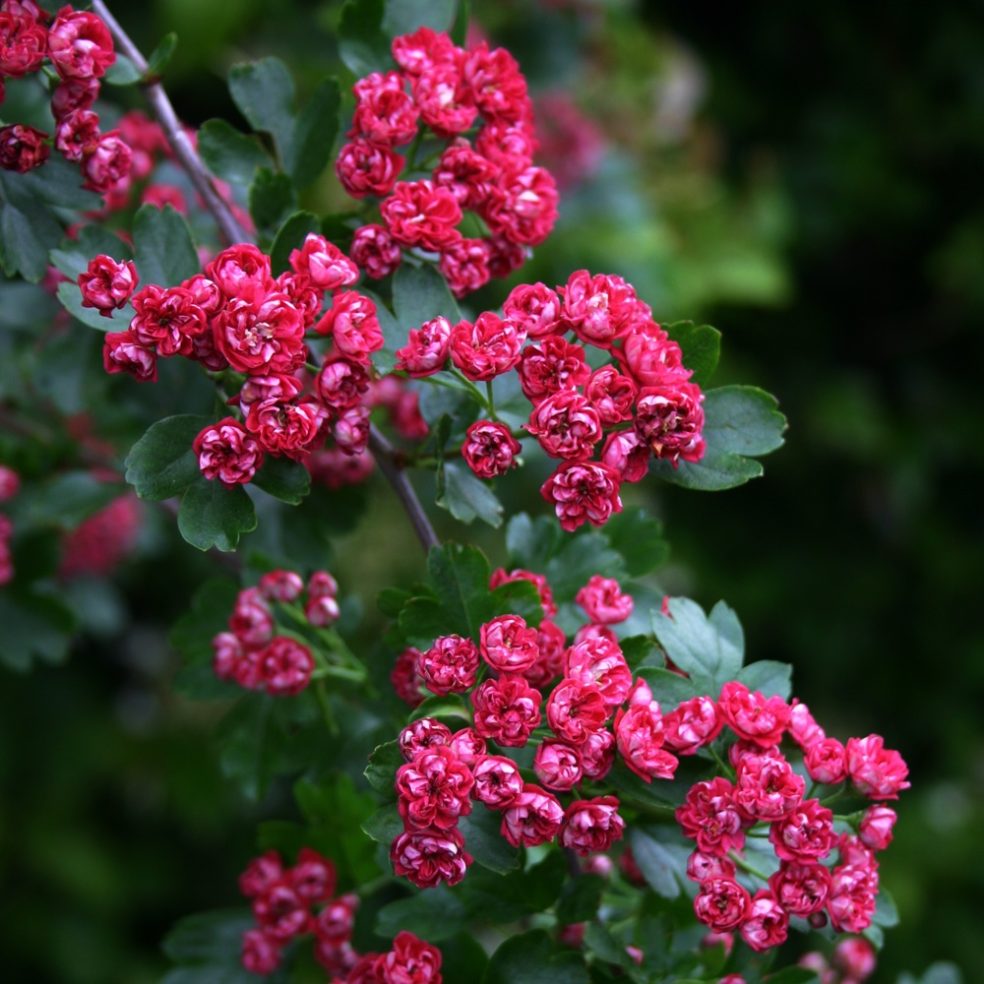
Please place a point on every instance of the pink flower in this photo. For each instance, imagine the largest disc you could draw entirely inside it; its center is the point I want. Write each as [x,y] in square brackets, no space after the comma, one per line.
[876,771]
[876,826]
[557,764]
[70,94]
[375,251]
[313,876]
[422,734]
[417,52]
[281,585]
[701,867]
[575,709]
[322,611]
[466,174]
[767,787]
[649,355]
[801,888]
[433,789]
[430,857]
[261,337]
[766,925]
[597,753]
[722,904]
[23,39]
[227,452]
[598,661]
[752,716]
[445,103]
[670,420]
[405,679]
[411,961]
[385,112]
[556,365]
[497,781]
[506,710]
[803,729]
[22,148]
[582,491]
[855,957]
[534,308]
[639,735]
[627,455]
[336,920]
[241,271]
[80,45]
[260,952]
[341,384]
[592,825]
[534,817]
[260,874]
[603,601]
[601,309]
[449,666]
[167,318]
[826,761]
[806,834]
[106,164]
[281,912]
[9,483]
[611,394]
[251,620]
[465,266]
[468,745]
[285,428]
[487,348]
[497,83]
[490,450]
[76,133]
[851,904]
[709,816]
[691,725]
[508,644]
[418,213]
[323,263]
[426,351]
[523,206]
[107,284]
[367,168]
[352,323]
[286,667]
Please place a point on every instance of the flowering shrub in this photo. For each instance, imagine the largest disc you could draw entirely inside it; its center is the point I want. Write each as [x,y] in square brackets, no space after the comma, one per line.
[551,748]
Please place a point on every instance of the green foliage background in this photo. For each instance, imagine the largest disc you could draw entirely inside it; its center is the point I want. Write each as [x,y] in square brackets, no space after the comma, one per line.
[820,205]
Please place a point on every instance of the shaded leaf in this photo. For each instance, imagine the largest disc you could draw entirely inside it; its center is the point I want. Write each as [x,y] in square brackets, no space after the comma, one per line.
[701,346]
[485,843]
[284,479]
[709,649]
[162,463]
[361,42]
[534,958]
[314,134]
[433,915]
[466,496]
[215,515]
[163,247]
[263,91]
[229,154]
[290,236]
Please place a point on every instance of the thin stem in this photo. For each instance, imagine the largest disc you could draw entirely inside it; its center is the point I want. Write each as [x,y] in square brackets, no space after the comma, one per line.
[491,399]
[745,866]
[321,694]
[232,231]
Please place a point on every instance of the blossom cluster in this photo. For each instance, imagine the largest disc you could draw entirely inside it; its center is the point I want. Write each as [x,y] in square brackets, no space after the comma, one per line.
[469,120]
[9,487]
[298,901]
[79,47]
[639,405]
[258,657]
[767,796]
[237,316]
[101,541]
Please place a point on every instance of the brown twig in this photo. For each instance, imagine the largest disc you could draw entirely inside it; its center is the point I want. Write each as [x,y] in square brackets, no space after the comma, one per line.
[232,232]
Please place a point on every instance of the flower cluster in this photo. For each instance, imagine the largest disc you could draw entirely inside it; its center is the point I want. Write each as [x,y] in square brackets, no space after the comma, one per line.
[507,673]
[9,487]
[101,541]
[853,961]
[79,47]
[603,424]
[468,119]
[826,867]
[258,657]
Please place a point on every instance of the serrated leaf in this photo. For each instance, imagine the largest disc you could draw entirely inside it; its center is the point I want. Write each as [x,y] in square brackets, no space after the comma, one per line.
[701,347]
[381,770]
[384,826]
[272,201]
[405,16]
[433,915]
[164,250]
[162,463]
[467,497]
[668,688]
[191,636]
[35,626]
[662,865]
[161,56]
[420,294]
[577,559]
[27,233]
[485,843]
[771,677]
[442,707]
[208,937]
[708,649]
[290,236]
[215,515]
[284,479]
[263,91]
[532,542]
[459,576]
[233,156]
[533,958]
[314,134]
[58,183]
[580,899]
[638,537]
[361,42]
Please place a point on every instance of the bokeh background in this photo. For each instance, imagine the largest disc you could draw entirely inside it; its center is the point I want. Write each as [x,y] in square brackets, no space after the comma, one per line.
[806,179]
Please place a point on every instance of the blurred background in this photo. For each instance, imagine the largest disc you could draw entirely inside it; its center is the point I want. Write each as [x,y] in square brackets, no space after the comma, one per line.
[806,180]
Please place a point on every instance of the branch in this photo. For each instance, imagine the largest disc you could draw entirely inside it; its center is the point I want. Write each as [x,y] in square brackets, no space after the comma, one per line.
[232,231]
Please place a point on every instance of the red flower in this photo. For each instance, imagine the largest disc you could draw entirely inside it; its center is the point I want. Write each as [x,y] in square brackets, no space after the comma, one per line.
[168,318]
[500,576]
[598,661]
[670,420]
[285,428]
[72,94]
[650,356]
[281,912]
[876,771]
[575,709]
[260,874]
[342,383]
[604,601]
[352,323]
[261,337]
[384,112]
[490,449]
[766,925]
[506,710]
[22,41]
[557,764]
[286,667]
[426,351]
[487,348]
[417,52]
[709,816]
[801,887]
[260,952]
[498,781]
[323,263]
[22,148]
[418,213]
[767,787]
[241,271]
[806,834]
[611,394]
[592,825]
[639,735]
[508,644]
[701,867]
[411,961]
[468,745]
[466,174]
[76,133]
[803,729]
[449,666]
[367,168]
[556,365]
[566,425]
[107,284]
[875,829]
[851,903]
[80,45]
[752,716]
[335,922]
[722,904]
[597,754]
[691,725]
[433,789]
[826,761]
[535,309]
[375,251]
[429,857]
[405,679]
[422,734]
[601,309]
[496,82]
[465,265]
[106,165]
[227,452]
[582,491]
[445,102]
[281,585]
[313,876]
[627,455]
[534,817]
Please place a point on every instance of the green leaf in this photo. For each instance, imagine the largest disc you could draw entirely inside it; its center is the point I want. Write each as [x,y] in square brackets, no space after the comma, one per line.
[577,559]
[459,30]
[664,866]
[793,975]
[433,915]
[67,499]
[229,154]
[405,16]
[207,949]
[27,233]
[638,537]
[668,688]
[534,958]
[164,250]
[466,496]
[391,600]
[464,960]
[191,636]
[485,843]
[35,626]
[361,42]
[517,598]
[161,56]
[710,649]
[771,677]
[449,707]
[701,345]
[580,899]
[71,300]
[264,93]
[122,72]
[314,134]
[492,898]
[284,479]
[380,773]
[739,421]
[532,542]
[420,294]
[290,236]
[58,183]
[460,578]
[215,515]
[272,201]
[385,825]
[162,464]
[886,913]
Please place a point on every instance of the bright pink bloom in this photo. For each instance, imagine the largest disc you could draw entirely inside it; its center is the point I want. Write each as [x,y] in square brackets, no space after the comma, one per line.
[497,781]
[22,148]
[375,251]
[767,788]
[420,735]
[418,213]
[497,83]
[427,348]
[701,867]
[385,112]
[322,611]
[80,45]
[752,716]
[260,952]
[611,394]
[851,904]
[855,957]
[465,266]
[352,323]
[167,318]
[489,449]
[766,925]
[534,308]
[281,585]
[23,40]
[650,356]
[597,754]
[9,483]
[575,710]
[445,103]
[508,644]
[72,94]
[691,725]
[286,666]
[76,133]
[430,857]
[604,601]
[534,817]
[826,761]
[722,904]
[433,789]
[582,491]
[285,428]
[106,165]
[801,887]
[602,308]
[241,271]
[367,168]
[323,263]
[411,961]
[107,284]
[227,452]
[876,826]
[342,383]
[523,206]
[468,745]
[627,455]
[466,174]
[416,53]
[336,920]
[251,620]
[592,825]
[806,834]
[639,734]
[556,365]
[261,338]
[557,764]
[598,661]
[709,816]
[506,710]
[450,666]
[803,729]
[670,419]
[876,771]
[321,583]
[313,876]
[487,348]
